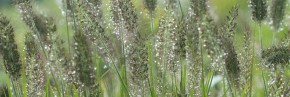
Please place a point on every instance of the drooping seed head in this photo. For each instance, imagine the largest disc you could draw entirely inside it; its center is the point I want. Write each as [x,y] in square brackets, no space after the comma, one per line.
[40,25]
[8,48]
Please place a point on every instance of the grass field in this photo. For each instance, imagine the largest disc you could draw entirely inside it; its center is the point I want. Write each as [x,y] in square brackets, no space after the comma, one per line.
[144,48]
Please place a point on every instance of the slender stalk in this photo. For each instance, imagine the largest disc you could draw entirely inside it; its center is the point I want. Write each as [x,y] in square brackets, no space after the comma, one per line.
[152,90]
[116,70]
[261,37]
[13,87]
[274,38]
[202,70]
[265,85]
[182,14]
[152,22]
[261,46]
[124,54]
[67,32]
[251,69]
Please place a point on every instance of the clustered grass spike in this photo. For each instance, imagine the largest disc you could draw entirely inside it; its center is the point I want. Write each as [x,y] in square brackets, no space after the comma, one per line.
[84,64]
[136,53]
[170,45]
[246,61]
[124,10]
[91,24]
[85,77]
[259,10]
[96,2]
[181,44]
[30,45]
[276,61]
[199,7]
[277,12]
[8,48]
[150,5]
[194,31]
[276,55]
[89,35]
[171,40]
[226,35]
[95,31]
[35,71]
[171,4]
[43,27]
[134,44]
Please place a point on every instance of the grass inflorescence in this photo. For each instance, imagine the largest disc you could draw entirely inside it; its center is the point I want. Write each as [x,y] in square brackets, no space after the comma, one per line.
[8,48]
[259,9]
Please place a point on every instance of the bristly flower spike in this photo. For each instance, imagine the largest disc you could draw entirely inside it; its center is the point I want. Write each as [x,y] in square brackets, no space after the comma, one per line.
[150,5]
[277,15]
[8,48]
[277,12]
[259,10]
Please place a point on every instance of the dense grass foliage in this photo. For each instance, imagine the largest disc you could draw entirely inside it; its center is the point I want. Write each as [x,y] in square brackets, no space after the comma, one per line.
[144,48]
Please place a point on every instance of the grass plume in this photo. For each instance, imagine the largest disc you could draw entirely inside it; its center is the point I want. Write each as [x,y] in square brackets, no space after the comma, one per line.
[150,5]
[35,70]
[134,44]
[276,60]
[84,65]
[276,55]
[259,10]
[227,32]
[8,48]
[277,12]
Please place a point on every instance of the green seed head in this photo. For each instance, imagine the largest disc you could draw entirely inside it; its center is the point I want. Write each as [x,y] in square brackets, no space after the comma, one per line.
[276,55]
[259,10]
[277,12]
[8,48]
[150,5]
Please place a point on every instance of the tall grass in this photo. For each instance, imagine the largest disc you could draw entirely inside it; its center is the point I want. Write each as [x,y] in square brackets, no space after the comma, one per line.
[147,49]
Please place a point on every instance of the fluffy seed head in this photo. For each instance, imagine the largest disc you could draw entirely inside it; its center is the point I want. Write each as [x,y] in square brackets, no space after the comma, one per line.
[8,48]
[34,67]
[227,37]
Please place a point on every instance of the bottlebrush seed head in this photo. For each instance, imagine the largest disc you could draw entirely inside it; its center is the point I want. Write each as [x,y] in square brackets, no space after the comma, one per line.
[150,5]
[259,10]
[8,48]
[277,12]
[276,55]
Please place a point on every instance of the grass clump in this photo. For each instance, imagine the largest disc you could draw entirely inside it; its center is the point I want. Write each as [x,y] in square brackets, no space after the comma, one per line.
[175,49]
